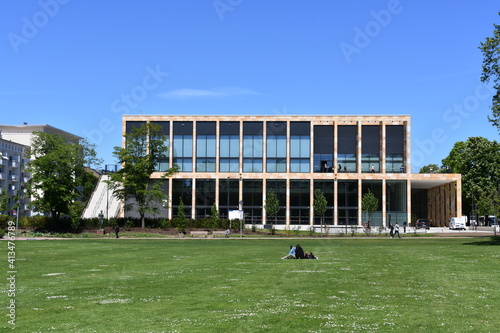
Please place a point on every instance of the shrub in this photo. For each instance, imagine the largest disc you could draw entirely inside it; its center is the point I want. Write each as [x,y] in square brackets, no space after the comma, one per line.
[2,232]
[3,221]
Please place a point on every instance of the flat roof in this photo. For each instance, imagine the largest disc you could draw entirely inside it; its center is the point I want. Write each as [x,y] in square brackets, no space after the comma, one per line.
[430,180]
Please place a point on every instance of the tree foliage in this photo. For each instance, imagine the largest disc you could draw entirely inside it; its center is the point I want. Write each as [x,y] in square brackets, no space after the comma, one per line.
[58,174]
[478,160]
[272,205]
[369,203]
[320,204]
[430,168]
[144,148]
[491,71]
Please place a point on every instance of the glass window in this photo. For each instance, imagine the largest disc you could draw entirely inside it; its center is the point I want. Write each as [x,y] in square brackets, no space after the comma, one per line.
[396,202]
[205,153]
[279,188]
[370,148]
[327,188]
[252,153]
[347,142]
[229,153]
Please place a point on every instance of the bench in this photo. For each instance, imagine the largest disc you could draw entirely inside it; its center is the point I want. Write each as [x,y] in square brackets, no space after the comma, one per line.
[217,233]
[199,233]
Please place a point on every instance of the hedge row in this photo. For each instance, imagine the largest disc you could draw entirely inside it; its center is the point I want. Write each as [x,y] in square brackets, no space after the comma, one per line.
[64,224]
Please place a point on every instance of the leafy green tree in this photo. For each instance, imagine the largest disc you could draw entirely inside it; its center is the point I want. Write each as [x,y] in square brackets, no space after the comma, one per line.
[486,203]
[491,71]
[181,216]
[215,217]
[320,204]
[478,160]
[369,204]
[430,168]
[272,205]
[144,147]
[3,202]
[58,172]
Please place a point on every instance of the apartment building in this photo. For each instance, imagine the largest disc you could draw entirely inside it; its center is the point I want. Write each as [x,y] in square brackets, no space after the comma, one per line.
[234,161]
[13,178]
[15,140]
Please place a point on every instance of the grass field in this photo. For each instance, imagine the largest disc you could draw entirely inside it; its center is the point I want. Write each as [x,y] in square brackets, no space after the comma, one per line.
[242,285]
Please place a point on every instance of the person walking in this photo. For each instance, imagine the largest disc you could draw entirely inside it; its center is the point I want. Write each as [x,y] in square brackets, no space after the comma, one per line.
[391,230]
[396,230]
[117,230]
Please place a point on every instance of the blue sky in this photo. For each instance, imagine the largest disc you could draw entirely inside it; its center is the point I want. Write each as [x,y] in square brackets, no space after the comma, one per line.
[80,65]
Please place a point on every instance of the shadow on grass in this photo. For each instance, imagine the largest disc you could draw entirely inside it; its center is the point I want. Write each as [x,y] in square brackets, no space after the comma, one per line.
[494,240]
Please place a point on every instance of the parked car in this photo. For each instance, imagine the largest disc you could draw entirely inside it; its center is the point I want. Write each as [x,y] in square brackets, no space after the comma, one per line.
[423,224]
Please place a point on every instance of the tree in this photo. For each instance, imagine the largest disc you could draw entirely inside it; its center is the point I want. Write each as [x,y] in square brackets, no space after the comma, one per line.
[320,204]
[369,204]
[144,148]
[214,219]
[430,168]
[478,160]
[181,216]
[3,202]
[491,71]
[272,205]
[58,172]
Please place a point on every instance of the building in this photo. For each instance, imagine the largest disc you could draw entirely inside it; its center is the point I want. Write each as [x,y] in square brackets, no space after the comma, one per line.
[234,161]
[15,140]
[13,178]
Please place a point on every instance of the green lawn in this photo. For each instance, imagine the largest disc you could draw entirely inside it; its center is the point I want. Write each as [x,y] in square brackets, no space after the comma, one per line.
[242,285]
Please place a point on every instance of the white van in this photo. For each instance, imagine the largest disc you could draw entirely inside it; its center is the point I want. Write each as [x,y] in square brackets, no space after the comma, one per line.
[458,222]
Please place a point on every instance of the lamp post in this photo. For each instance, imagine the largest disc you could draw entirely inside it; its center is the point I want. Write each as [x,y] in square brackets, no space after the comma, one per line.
[241,215]
[227,200]
[345,203]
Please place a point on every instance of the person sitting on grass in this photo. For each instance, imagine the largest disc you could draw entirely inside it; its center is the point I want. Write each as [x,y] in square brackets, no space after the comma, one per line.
[291,254]
[299,252]
[310,255]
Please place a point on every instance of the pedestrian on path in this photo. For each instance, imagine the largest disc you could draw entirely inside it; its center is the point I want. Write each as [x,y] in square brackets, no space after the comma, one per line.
[396,230]
[117,230]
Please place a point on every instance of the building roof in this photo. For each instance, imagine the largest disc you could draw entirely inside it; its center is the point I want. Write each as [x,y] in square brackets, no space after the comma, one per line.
[24,129]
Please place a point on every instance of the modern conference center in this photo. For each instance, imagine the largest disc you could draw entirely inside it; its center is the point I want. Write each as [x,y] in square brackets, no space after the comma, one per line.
[234,161]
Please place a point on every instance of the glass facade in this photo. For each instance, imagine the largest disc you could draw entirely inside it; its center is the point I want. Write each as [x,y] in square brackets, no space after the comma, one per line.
[229,147]
[300,147]
[323,148]
[394,157]
[183,145]
[347,142]
[163,164]
[205,146]
[276,146]
[204,197]
[396,202]
[252,200]
[292,159]
[375,187]
[348,202]
[228,196]
[253,144]
[279,188]
[370,148]
[327,188]
[299,201]
[182,189]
